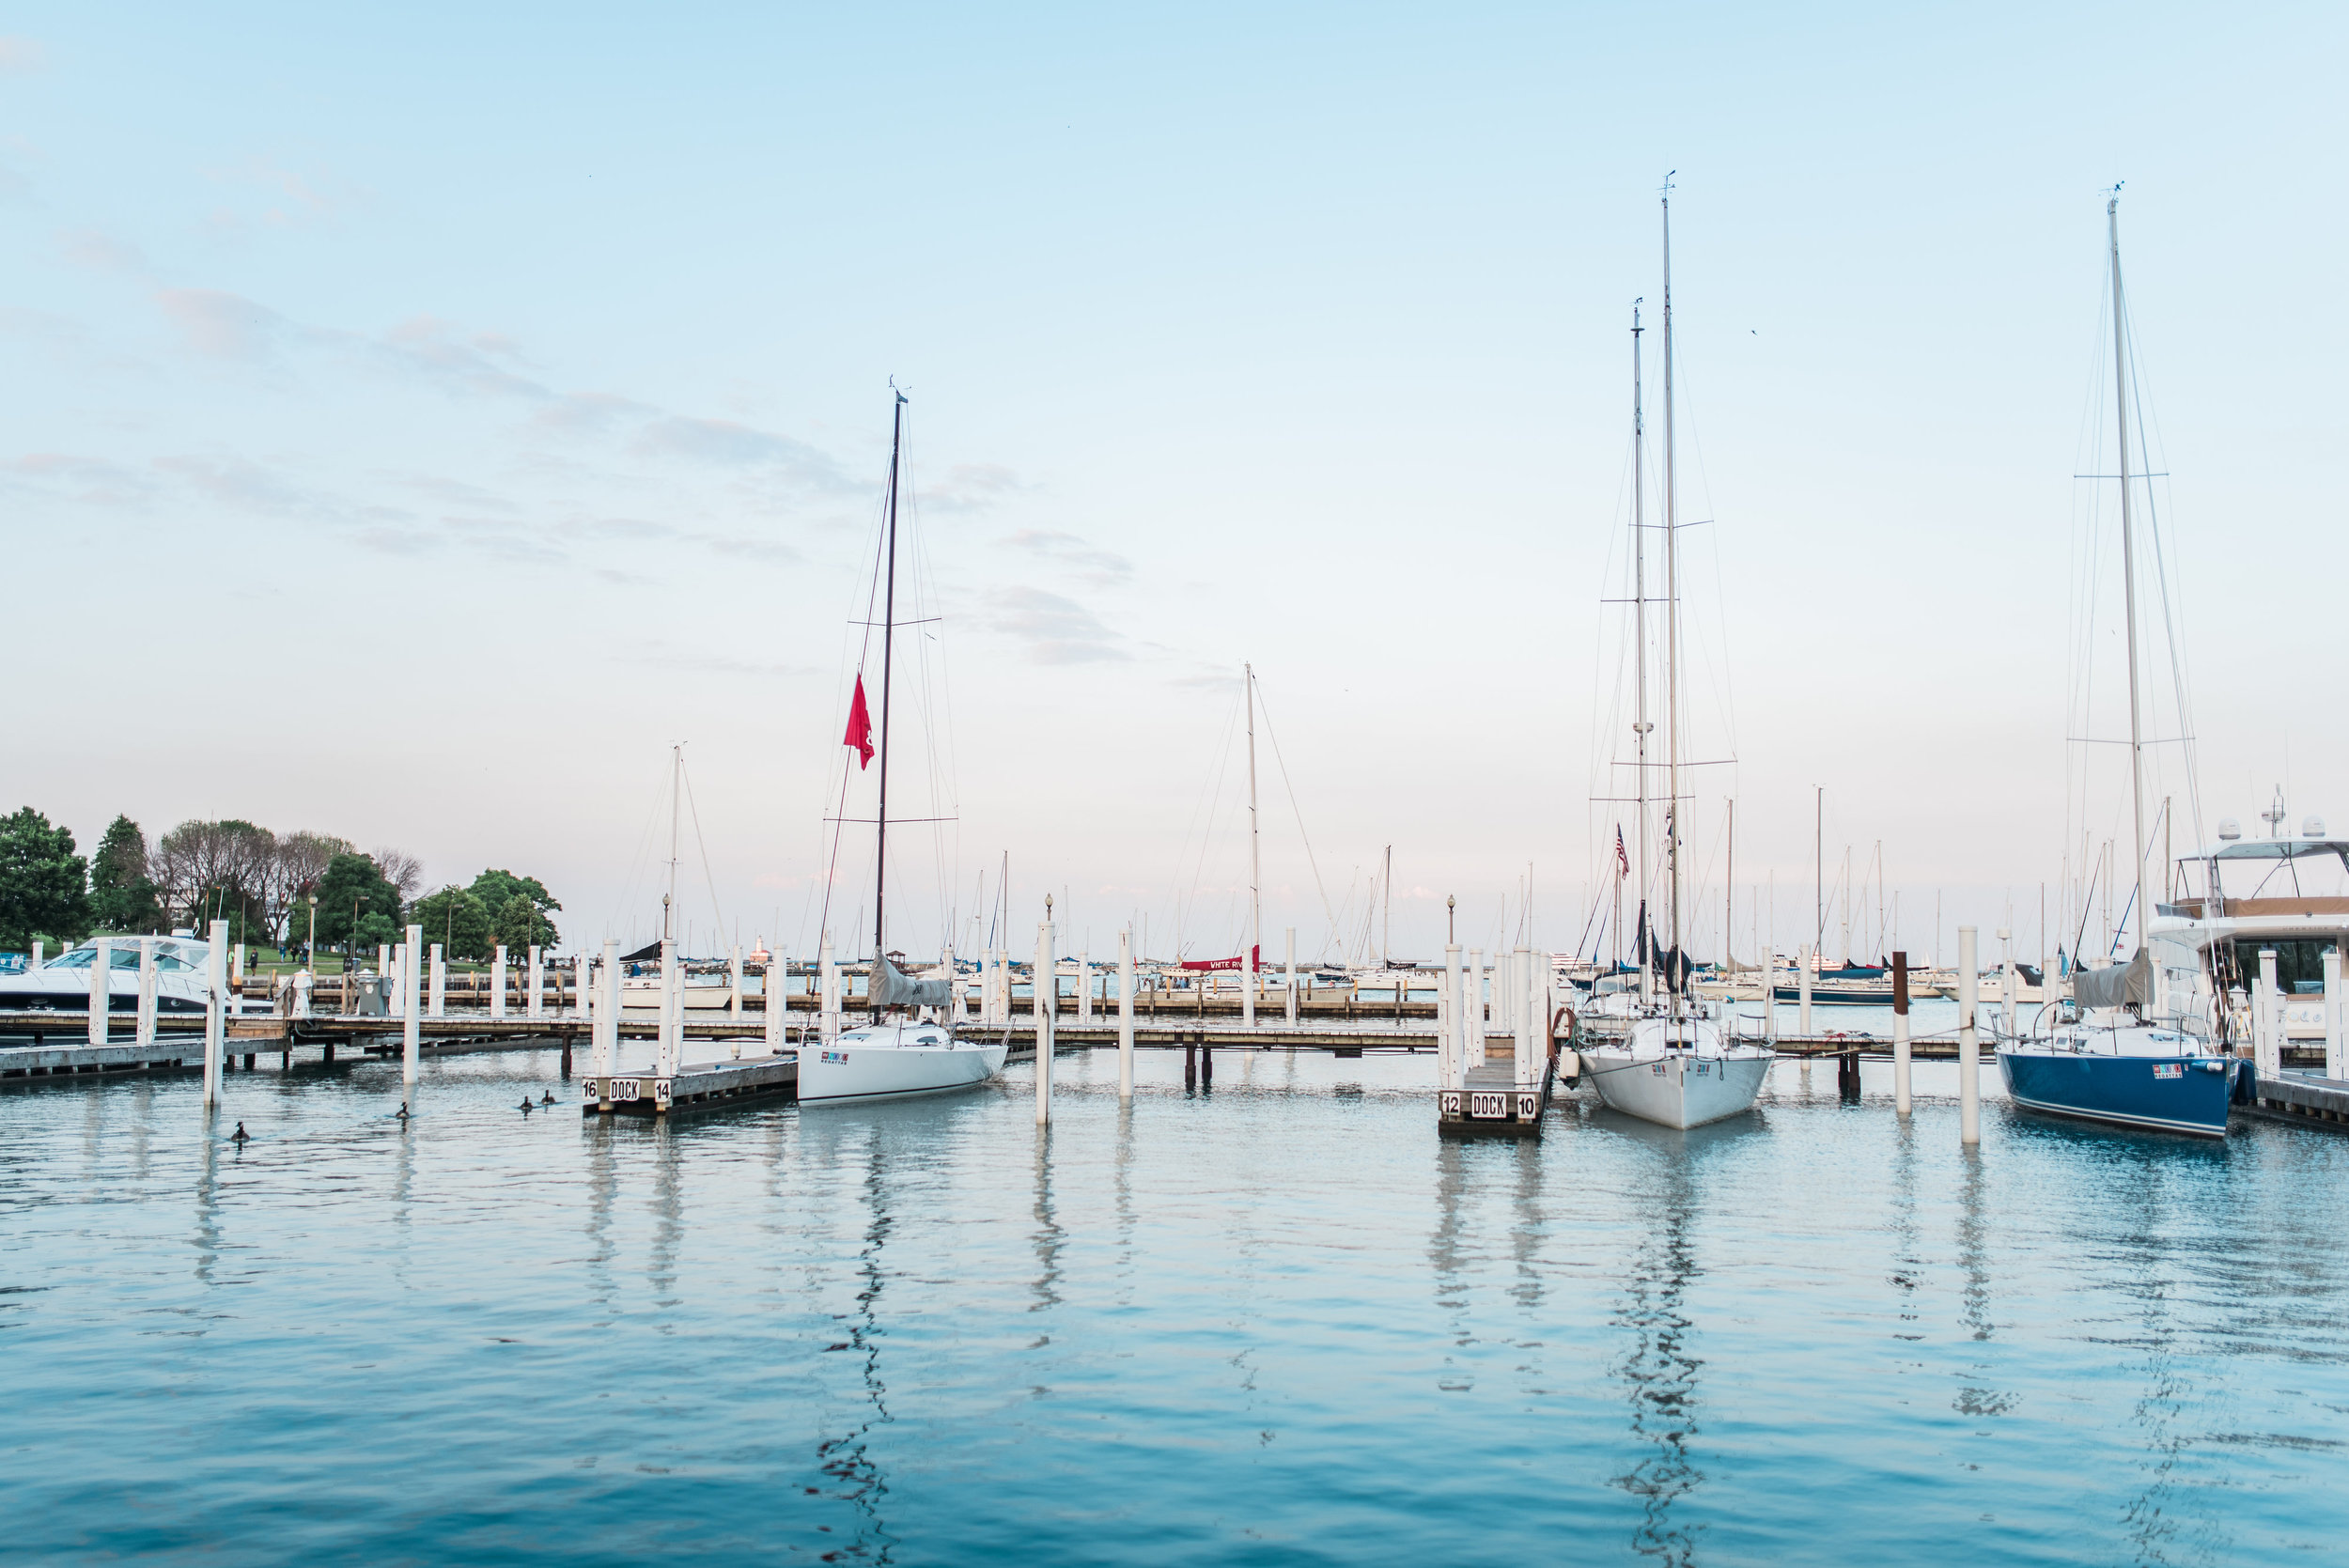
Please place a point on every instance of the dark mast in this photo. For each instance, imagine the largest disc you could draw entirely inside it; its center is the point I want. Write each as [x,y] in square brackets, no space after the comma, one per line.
[888,629]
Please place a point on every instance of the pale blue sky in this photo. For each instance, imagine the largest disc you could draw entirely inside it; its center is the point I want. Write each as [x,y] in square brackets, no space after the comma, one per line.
[395,378]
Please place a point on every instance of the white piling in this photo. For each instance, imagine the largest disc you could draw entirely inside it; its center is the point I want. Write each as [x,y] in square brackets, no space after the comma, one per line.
[2334,1067]
[672,1006]
[1968,1052]
[38,960]
[304,987]
[215,1012]
[1900,1033]
[1292,980]
[1475,1055]
[1521,1014]
[828,978]
[1802,958]
[606,1029]
[1126,1014]
[440,980]
[2267,1027]
[1085,987]
[148,973]
[236,978]
[102,980]
[535,1006]
[733,996]
[1248,988]
[1046,971]
[384,967]
[1451,1032]
[774,988]
[411,1024]
[2010,988]
[497,980]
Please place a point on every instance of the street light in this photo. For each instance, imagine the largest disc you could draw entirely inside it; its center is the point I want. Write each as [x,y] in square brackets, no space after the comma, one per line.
[310,957]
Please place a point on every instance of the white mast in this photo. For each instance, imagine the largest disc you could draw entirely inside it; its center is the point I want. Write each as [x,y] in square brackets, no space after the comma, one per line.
[676,771]
[2128,561]
[1642,948]
[1671,616]
[1255,904]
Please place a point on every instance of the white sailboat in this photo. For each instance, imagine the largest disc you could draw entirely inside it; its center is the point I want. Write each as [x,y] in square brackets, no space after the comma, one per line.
[1665,1057]
[900,1053]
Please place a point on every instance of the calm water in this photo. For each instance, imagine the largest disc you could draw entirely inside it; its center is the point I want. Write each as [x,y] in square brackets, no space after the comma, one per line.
[1279,1322]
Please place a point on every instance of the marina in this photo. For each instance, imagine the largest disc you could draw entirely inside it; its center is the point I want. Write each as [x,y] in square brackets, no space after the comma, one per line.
[945,1310]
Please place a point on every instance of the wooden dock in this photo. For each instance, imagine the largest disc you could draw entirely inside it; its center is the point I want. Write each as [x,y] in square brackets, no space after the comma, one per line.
[1492,1104]
[695,1086]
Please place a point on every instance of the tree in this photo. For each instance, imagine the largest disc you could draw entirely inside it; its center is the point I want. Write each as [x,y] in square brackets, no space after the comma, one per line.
[296,861]
[401,869]
[44,886]
[352,882]
[494,887]
[455,918]
[521,924]
[122,894]
[214,870]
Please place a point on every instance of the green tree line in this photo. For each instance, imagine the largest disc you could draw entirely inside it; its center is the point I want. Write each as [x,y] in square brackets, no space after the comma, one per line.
[271,888]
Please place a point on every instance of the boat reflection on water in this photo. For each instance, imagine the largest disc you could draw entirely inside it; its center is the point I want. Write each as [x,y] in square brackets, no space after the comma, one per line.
[848,1458]
[1659,1366]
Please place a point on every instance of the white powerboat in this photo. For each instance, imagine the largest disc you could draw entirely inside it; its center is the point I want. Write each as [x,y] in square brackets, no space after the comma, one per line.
[62,984]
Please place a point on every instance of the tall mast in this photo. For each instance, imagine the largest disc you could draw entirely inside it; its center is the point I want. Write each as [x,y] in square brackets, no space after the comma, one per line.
[1386,930]
[1255,904]
[1640,726]
[676,772]
[2128,560]
[889,637]
[1672,613]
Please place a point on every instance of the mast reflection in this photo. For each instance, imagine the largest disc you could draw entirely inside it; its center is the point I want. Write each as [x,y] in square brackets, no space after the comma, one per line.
[847,1459]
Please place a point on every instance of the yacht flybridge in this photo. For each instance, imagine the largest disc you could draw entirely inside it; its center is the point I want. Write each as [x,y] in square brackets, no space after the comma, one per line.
[902,1052]
[1663,1052]
[63,984]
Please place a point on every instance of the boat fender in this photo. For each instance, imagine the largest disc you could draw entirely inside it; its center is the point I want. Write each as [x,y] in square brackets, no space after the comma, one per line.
[1565,1013]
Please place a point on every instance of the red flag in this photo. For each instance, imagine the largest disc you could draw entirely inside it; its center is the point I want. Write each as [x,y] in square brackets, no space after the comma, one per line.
[860,728]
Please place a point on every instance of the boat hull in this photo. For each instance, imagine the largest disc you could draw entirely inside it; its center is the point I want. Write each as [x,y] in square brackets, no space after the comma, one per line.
[1683,1090]
[2168,1094]
[844,1071]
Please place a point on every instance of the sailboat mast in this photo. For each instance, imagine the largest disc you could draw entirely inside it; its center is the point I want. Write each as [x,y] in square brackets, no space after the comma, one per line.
[1671,615]
[1255,904]
[2128,560]
[1386,929]
[1640,726]
[889,631]
[676,772]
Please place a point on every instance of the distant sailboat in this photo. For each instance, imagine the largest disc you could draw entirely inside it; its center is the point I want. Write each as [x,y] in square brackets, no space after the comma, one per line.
[899,1053]
[1673,1064]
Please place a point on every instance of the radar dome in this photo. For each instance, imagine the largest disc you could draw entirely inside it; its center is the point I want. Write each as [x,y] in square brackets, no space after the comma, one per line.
[2230,828]
[2313,827]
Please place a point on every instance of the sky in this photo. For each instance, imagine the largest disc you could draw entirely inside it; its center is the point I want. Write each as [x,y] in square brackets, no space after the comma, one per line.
[422,418]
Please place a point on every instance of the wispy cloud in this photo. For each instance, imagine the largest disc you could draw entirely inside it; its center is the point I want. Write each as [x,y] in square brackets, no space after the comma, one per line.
[1101,569]
[95,481]
[222,325]
[1055,630]
[971,488]
[724,443]
[99,252]
[456,361]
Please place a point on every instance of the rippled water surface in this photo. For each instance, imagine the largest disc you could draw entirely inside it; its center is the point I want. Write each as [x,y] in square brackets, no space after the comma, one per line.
[1275,1321]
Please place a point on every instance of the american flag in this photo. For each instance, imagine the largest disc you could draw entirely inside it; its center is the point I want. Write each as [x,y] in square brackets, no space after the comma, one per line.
[1623,861]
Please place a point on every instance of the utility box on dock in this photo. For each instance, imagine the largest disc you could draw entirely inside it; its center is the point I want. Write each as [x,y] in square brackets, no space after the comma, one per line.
[369,1000]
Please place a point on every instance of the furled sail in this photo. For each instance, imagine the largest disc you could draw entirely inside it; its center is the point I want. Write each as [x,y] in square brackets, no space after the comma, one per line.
[891,987]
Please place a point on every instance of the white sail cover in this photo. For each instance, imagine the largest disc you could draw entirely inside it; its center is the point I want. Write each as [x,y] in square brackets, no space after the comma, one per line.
[2129,985]
[891,987]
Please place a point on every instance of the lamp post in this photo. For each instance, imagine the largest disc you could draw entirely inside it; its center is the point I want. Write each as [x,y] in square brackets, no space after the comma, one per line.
[310,954]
